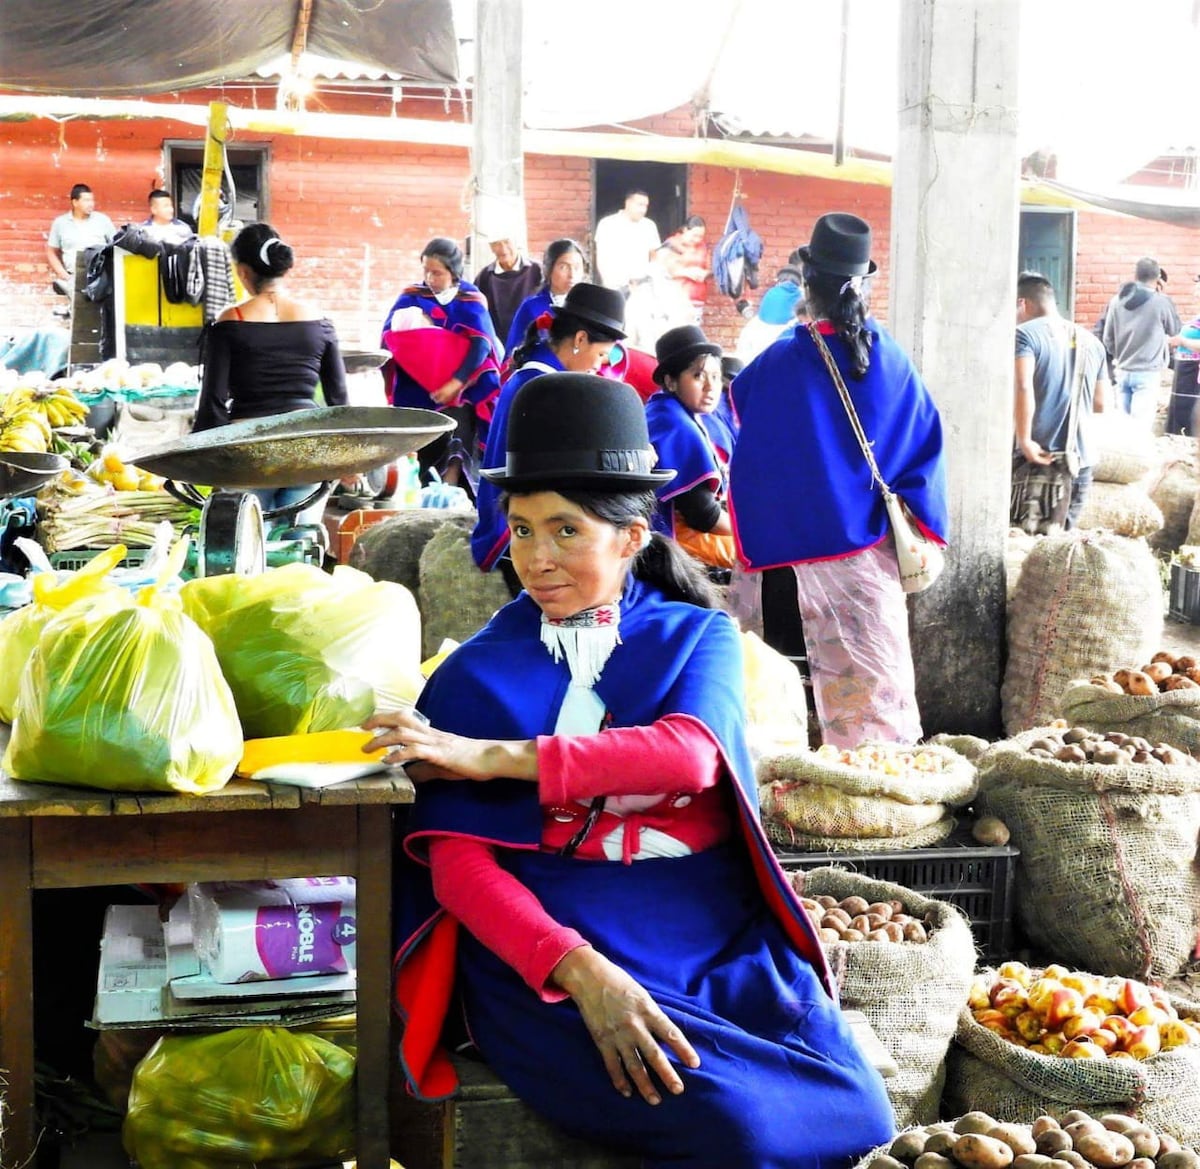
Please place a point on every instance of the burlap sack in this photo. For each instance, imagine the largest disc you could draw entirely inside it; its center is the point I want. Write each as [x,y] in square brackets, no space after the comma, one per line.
[783,834]
[1018,546]
[1171,717]
[1173,489]
[1084,601]
[456,599]
[391,550]
[816,809]
[1107,878]
[984,1071]
[911,992]
[1193,529]
[1124,451]
[1121,508]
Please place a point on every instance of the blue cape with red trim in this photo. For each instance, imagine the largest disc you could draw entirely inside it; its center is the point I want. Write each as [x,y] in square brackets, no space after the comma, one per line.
[489,538]
[467,314]
[799,486]
[681,446]
[503,684]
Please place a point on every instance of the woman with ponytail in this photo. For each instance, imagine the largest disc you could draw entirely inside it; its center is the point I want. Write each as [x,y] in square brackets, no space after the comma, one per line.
[563,266]
[587,884]
[267,354]
[802,494]
[577,337]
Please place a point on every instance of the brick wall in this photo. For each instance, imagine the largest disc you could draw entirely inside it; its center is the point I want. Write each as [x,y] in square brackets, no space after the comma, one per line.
[358,213]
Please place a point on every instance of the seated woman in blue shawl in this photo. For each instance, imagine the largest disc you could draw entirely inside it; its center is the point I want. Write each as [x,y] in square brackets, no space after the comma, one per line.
[691,507]
[445,357]
[584,865]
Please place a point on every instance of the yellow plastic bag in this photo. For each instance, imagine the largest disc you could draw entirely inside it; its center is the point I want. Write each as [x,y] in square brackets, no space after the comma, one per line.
[305,650]
[776,709]
[19,631]
[248,1097]
[126,698]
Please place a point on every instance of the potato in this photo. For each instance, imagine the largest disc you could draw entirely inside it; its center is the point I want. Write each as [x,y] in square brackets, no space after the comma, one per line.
[977,1151]
[1141,684]
[1159,671]
[1118,1121]
[1193,673]
[811,905]
[1105,682]
[1016,1136]
[894,931]
[851,935]
[1078,1129]
[1031,1161]
[827,901]
[1179,1159]
[1143,757]
[1121,677]
[1106,1150]
[942,1142]
[1164,655]
[1180,682]
[1073,753]
[883,1161]
[1141,1163]
[1061,1162]
[914,931]
[974,1122]
[828,935]
[1043,1124]
[990,830]
[1108,754]
[1052,1141]
[1167,1144]
[1186,662]
[1137,743]
[879,935]
[1074,1159]
[1074,1115]
[933,1161]
[1145,1141]
[837,918]
[883,908]
[855,905]
[876,921]
[1044,744]
[1076,735]
[908,1146]
[862,923]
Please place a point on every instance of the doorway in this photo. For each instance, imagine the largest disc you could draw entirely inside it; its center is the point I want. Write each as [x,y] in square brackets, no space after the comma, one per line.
[1047,245]
[664,182]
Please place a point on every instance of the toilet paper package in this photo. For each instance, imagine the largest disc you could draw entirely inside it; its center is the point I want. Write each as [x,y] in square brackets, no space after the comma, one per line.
[251,930]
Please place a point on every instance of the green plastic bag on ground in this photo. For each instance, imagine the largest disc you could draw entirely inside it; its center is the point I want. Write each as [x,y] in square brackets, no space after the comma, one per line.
[19,631]
[246,1098]
[126,698]
[305,650]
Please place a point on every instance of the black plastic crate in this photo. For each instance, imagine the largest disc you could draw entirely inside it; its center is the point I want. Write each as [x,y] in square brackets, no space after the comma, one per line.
[1184,603]
[975,878]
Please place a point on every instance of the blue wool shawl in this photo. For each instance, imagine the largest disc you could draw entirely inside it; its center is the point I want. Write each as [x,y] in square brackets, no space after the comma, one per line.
[683,446]
[468,314]
[489,538]
[674,658]
[799,486]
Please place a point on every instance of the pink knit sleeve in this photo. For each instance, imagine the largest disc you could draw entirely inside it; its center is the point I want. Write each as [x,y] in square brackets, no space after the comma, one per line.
[676,753]
[501,912]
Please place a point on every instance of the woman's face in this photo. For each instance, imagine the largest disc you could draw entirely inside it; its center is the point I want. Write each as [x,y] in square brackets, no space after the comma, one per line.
[437,276]
[566,558]
[566,273]
[699,386]
[579,355]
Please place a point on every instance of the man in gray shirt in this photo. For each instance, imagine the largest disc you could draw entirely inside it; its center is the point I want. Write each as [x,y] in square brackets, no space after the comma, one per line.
[1054,360]
[1141,326]
[75,231]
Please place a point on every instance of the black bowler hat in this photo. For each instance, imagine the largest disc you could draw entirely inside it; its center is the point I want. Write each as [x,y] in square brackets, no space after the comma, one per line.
[602,308]
[577,431]
[840,246]
[677,348]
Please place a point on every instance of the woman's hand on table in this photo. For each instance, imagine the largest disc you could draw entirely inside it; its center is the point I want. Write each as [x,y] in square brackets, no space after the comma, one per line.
[432,754]
[626,1024]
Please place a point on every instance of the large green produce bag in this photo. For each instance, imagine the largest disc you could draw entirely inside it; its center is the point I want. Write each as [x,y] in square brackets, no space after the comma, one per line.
[251,1097]
[127,698]
[20,630]
[305,650]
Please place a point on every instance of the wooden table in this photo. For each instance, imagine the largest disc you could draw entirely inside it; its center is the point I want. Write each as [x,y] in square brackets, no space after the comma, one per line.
[55,837]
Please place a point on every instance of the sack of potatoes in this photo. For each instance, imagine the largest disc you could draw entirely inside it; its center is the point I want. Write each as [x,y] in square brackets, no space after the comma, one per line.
[1074,1140]
[1158,700]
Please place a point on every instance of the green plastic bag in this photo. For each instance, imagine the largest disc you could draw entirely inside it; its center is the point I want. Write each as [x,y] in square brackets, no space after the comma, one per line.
[19,631]
[305,650]
[127,698]
[247,1098]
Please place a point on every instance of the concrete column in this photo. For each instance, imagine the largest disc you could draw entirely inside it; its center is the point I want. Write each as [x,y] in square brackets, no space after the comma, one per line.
[955,208]
[497,159]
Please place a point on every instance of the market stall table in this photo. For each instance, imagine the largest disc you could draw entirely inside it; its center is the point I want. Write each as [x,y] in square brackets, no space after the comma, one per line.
[54,837]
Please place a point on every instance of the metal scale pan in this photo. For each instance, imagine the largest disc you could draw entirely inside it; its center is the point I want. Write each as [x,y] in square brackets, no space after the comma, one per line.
[26,474]
[287,450]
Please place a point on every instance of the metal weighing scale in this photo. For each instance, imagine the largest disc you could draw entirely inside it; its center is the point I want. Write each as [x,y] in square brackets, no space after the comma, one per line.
[286,450]
[21,477]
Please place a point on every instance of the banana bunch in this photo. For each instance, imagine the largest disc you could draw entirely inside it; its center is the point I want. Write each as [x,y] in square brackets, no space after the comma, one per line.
[60,406]
[24,427]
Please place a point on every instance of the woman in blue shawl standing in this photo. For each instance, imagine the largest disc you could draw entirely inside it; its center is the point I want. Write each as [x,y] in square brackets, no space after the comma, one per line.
[585,864]
[445,357]
[802,495]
